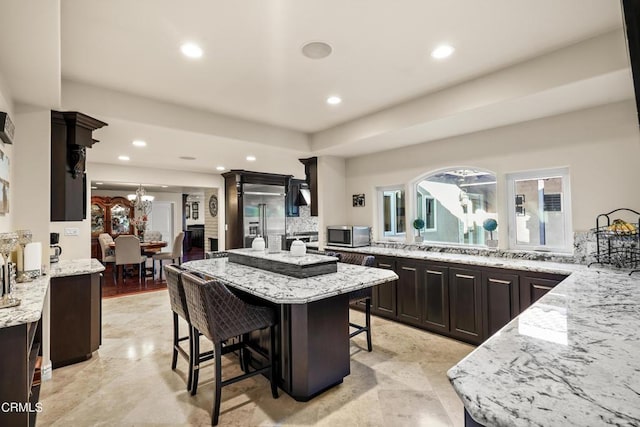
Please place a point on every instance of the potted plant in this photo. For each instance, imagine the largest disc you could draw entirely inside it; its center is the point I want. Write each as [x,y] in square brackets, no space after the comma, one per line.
[418,224]
[490,225]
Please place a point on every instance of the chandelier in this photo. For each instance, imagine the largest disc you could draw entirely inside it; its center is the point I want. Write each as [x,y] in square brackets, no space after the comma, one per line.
[141,201]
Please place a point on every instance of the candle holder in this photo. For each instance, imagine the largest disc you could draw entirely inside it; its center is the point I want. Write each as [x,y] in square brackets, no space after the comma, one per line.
[24,237]
[8,242]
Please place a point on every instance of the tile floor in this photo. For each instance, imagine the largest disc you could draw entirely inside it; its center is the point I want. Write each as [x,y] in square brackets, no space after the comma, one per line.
[129,381]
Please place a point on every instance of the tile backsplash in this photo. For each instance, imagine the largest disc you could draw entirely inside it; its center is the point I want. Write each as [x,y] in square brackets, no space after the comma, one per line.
[304,222]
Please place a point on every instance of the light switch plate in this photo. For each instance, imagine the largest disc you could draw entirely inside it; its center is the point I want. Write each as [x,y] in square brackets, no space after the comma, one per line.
[71,231]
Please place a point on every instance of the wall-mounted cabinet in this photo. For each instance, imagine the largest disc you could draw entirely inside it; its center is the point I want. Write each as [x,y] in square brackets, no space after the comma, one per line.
[311,172]
[71,135]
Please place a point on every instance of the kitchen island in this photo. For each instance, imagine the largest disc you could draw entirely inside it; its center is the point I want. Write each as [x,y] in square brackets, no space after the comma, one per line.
[313,337]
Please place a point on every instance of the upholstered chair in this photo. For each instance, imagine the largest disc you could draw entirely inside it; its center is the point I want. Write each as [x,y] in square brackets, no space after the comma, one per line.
[128,252]
[173,256]
[152,236]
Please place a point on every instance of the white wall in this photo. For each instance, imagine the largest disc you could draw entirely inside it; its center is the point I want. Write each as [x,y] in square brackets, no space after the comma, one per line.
[599,145]
[6,105]
[332,195]
[31,166]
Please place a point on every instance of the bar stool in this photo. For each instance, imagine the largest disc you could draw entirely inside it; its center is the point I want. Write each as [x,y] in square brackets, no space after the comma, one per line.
[361,294]
[220,315]
[178,302]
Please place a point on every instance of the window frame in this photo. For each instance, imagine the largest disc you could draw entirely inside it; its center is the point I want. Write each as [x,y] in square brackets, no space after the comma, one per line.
[510,180]
[397,237]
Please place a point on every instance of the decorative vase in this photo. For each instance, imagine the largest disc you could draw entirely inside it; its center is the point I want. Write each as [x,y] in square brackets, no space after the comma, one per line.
[298,248]
[258,244]
[419,239]
[492,243]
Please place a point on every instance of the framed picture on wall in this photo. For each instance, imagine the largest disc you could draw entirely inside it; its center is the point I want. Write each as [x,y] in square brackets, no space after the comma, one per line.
[187,211]
[358,200]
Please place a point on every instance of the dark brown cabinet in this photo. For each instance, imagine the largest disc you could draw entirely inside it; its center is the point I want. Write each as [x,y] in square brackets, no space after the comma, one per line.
[76,318]
[20,360]
[532,288]
[500,300]
[469,303]
[112,215]
[435,298]
[465,304]
[234,183]
[311,172]
[384,296]
[408,292]
[71,135]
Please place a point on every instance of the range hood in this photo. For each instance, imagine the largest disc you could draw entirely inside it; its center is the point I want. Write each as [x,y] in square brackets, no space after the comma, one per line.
[303,198]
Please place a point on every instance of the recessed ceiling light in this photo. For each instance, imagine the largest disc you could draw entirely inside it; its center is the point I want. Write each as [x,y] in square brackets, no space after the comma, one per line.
[98,183]
[94,188]
[316,50]
[124,158]
[191,50]
[442,51]
[139,143]
[334,100]
[164,186]
[220,168]
[187,158]
[251,158]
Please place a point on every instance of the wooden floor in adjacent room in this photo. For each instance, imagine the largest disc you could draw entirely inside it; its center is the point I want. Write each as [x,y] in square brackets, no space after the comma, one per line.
[133,285]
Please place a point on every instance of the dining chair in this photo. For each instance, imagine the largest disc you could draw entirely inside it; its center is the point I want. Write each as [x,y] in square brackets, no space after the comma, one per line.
[108,253]
[152,236]
[220,316]
[175,254]
[127,253]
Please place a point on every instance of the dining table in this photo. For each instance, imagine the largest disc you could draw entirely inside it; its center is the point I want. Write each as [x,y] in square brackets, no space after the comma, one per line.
[147,248]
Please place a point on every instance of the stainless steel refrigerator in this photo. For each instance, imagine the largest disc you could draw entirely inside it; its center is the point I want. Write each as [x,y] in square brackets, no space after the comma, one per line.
[264,212]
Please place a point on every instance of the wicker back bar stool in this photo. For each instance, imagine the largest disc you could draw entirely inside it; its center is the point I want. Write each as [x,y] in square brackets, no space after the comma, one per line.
[220,316]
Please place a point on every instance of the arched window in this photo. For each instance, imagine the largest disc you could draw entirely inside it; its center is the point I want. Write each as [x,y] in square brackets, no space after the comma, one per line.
[454,205]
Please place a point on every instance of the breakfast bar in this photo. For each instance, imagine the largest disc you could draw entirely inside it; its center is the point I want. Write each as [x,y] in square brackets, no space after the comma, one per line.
[313,337]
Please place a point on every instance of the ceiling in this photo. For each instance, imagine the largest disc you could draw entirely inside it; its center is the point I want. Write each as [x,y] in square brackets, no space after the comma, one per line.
[254,93]
[253,68]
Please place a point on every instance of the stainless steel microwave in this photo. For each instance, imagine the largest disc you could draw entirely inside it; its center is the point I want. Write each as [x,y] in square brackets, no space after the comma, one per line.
[352,236]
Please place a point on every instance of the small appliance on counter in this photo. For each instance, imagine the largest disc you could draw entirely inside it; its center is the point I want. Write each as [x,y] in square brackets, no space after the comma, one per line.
[352,236]
[56,250]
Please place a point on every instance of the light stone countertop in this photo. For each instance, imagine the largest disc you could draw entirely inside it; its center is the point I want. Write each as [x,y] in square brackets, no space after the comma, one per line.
[285,257]
[570,359]
[282,289]
[75,267]
[483,261]
[32,294]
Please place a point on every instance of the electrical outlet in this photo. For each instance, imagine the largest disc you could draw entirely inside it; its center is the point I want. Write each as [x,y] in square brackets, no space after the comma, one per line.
[71,231]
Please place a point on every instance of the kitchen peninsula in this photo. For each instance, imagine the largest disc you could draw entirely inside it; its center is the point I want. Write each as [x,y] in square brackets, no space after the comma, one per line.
[313,312]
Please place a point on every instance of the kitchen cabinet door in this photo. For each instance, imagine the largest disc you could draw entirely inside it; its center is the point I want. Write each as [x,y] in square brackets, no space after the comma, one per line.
[408,292]
[500,300]
[465,304]
[384,295]
[532,288]
[435,298]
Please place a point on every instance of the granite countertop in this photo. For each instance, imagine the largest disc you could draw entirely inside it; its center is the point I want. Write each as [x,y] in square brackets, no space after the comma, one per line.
[282,289]
[32,295]
[570,359]
[285,257]
[484,261]
[75,267]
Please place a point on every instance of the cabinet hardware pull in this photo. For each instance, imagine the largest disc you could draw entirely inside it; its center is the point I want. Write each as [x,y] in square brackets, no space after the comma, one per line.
[465,276]
[434,272]
[502,282]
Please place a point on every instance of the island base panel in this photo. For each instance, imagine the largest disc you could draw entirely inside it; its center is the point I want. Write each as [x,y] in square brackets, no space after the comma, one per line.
[470,422]
[316,341]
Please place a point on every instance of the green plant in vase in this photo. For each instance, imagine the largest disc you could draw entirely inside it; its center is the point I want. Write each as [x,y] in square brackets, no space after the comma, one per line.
[490,225]
[418,224]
